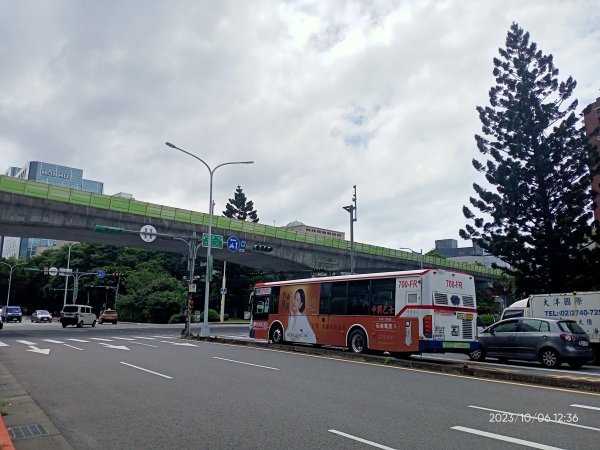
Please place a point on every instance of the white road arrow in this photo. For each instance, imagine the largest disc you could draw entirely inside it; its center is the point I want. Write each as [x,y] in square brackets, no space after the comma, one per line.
[34,349]
[119,347]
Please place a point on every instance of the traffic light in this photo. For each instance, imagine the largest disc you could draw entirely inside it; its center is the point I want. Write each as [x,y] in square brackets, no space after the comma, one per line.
[190,306]
[262,248]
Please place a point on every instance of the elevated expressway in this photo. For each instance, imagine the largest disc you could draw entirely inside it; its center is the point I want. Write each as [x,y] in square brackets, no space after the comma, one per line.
[32,209]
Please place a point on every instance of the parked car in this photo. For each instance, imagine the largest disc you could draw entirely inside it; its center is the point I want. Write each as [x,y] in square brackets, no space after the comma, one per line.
[12,313]
[549,341]
[108,315]
[41,315]
[79,315]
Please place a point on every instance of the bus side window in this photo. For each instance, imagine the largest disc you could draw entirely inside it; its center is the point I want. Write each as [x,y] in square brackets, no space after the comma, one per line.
[339,298]
[383,297]
[358,297]
[274,303]
[325,300]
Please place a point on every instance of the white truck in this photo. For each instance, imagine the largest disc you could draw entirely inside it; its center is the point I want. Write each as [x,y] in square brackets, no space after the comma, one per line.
[584,307]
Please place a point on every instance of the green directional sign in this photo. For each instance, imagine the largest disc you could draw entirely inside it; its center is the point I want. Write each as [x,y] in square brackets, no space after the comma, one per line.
[216,240]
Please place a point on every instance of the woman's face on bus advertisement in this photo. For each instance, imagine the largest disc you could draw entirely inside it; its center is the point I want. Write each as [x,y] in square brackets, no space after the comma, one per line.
[296,303]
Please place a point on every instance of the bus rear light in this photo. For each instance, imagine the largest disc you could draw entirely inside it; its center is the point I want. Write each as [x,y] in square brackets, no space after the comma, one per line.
[428,326]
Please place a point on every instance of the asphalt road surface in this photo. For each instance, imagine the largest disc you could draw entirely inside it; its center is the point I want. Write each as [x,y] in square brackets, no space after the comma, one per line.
[133,386]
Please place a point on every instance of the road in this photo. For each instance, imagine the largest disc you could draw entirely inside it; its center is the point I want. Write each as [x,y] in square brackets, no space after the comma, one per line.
[136,386]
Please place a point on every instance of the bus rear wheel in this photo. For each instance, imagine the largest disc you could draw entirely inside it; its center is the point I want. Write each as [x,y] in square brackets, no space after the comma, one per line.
[276,335]
[357,341]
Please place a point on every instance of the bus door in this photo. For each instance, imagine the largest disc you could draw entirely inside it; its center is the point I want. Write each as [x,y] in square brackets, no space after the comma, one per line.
[322,326]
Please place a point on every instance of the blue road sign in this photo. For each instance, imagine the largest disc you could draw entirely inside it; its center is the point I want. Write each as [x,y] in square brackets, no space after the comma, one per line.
[233,244]
[100,274]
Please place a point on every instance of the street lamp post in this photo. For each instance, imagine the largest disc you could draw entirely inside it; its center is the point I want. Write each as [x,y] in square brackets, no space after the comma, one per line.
[10,278]
[353,218]
[67,274]
[420,252]
[204,328]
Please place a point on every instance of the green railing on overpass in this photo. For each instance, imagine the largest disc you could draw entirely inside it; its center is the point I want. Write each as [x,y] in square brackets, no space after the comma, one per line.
[118,204]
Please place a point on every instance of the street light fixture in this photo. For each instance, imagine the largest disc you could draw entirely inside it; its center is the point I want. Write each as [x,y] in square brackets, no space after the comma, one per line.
[10,278]
[420,252]
[352,209]
[67,274]
[204,328]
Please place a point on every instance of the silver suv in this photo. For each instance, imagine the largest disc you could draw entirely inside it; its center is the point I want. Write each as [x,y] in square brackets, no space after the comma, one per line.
[548,341]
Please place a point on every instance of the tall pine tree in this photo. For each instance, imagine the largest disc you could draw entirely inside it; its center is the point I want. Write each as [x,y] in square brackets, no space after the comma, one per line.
[240,208]
[537,213]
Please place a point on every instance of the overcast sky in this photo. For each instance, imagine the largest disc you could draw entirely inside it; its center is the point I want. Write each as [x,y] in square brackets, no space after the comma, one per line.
[322,95]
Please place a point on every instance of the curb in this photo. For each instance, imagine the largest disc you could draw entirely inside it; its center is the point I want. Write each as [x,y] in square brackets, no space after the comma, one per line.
[466,368]
[5,440]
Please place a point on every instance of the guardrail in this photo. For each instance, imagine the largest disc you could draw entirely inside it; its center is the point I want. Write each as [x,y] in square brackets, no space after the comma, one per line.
[118,204]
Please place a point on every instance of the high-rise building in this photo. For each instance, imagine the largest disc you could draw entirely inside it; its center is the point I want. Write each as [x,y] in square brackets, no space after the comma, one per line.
[591,118]
[49,173]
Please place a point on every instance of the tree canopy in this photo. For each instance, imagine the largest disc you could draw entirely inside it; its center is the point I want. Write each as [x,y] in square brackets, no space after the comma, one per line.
[240,208]
[536,213]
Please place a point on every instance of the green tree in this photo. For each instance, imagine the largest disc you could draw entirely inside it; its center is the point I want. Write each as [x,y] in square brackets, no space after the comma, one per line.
[240,208]
[537,213]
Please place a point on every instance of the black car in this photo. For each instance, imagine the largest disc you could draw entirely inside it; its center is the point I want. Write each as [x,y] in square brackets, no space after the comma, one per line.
[549,341]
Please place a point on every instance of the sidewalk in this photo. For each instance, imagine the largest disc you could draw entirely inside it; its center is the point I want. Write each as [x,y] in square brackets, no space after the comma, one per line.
[24,423]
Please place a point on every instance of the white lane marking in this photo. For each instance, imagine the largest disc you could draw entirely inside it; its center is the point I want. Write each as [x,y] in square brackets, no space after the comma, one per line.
[72,346]
[43,351]
[146,338]
[505,438]
[146,370]
[77,340]
[534,418]
[147,345]
[27,342]
[122,338]
[181,344]
[101,339]
[53,341]
[364,441]
[585,406]
[118,347]
[248,364]
[165,337]
[2,344]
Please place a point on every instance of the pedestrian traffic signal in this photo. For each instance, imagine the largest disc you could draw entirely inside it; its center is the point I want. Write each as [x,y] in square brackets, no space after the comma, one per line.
[262,248]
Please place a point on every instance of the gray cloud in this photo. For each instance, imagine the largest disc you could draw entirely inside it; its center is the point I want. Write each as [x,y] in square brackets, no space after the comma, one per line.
[322,95]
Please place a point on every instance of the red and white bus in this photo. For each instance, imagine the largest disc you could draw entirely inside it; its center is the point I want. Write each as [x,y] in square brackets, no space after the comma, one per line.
[428,310]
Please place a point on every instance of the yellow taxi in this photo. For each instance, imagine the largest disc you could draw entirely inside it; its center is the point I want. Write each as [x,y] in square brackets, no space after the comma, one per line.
[108,315]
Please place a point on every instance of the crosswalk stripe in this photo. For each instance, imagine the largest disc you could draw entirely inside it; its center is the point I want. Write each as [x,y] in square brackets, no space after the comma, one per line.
[53,341]
[77,340]
[122,338]
[146,338]
[27,342]
[101,339]
[2,344]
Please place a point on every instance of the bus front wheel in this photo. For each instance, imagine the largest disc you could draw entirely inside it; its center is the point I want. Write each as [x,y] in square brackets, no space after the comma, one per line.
[276,335]
[357,342]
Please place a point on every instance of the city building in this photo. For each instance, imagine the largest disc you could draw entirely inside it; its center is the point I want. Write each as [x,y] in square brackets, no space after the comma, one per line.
[473,255]
[591,119]
[48,173]
[301,228]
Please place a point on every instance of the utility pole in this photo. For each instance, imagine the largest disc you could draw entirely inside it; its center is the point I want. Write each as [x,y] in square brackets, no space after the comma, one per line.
[352,209]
